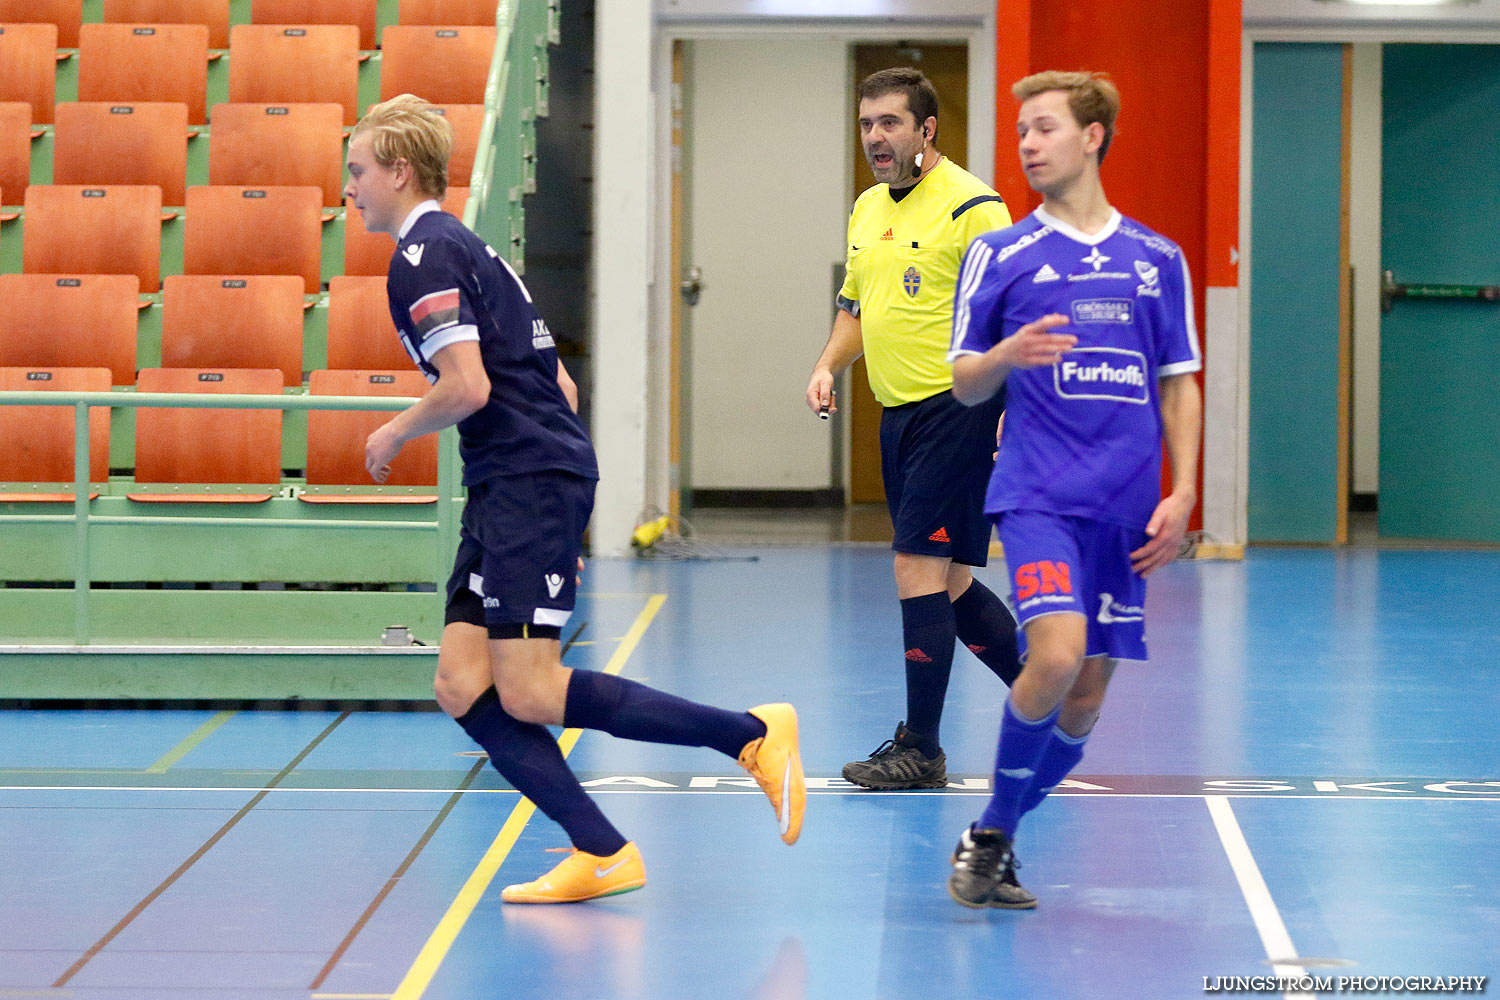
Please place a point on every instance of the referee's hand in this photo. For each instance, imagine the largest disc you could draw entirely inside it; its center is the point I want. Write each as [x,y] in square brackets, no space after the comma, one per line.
[821,398]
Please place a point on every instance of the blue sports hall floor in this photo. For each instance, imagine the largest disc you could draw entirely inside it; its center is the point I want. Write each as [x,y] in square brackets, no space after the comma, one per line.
[1305,780]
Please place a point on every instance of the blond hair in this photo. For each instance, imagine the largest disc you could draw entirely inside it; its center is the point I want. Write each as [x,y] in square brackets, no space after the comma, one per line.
[1092,97]
[411,129]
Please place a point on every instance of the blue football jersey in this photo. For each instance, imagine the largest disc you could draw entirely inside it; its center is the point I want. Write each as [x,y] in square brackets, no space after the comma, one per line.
[446,285]
[1082,437]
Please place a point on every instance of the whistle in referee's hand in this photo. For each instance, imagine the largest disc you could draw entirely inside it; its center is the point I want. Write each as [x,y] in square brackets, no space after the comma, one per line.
[823,410]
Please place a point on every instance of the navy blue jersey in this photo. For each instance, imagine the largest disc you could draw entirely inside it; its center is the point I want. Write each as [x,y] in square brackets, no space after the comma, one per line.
[447,285]
[1082,437]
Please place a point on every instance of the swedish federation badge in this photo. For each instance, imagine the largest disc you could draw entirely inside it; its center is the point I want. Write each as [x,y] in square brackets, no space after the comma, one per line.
[912,281]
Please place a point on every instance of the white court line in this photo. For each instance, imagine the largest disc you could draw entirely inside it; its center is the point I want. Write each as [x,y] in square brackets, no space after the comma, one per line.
[747,791]
[1273,934]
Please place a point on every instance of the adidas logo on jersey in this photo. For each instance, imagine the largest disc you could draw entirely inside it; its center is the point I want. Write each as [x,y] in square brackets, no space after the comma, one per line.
[890,234]
[1046,274]
[413,255]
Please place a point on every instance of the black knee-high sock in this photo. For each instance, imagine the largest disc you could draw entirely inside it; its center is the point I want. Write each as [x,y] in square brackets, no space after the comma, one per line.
[987,627]
[633,711]
[927,630]
[528,757]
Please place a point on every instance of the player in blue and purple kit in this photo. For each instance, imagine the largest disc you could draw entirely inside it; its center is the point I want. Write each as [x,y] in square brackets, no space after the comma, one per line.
[1087,318]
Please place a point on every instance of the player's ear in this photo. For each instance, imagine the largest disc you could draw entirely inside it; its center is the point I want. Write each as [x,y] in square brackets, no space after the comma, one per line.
[1093,137]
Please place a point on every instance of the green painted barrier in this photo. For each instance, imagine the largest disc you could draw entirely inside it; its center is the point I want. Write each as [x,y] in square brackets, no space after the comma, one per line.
[445,524]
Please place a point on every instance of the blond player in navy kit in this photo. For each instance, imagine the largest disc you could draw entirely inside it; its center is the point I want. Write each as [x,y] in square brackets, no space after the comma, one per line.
[469,324]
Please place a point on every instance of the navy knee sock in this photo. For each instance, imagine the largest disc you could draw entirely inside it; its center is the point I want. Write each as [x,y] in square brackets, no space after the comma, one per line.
[633,711]
[987,627]
[927,631]
[1062,755]
[528,757]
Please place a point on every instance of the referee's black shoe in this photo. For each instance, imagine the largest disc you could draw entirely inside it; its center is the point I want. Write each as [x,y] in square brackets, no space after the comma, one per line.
[897,764]
[984,872]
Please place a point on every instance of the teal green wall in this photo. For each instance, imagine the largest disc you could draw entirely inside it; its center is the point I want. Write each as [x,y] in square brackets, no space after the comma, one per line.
[1294,302]
[1439,366]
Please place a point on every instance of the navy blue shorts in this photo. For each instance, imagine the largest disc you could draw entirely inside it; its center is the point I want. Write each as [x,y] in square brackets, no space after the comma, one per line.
[936,456]
[518,550]
[1075,565]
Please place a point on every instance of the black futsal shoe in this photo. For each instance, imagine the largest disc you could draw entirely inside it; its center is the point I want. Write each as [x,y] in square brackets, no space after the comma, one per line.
[984,872]
[897,764]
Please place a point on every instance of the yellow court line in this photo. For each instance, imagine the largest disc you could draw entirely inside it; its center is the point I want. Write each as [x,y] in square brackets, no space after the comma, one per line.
[186,747]
[419,976]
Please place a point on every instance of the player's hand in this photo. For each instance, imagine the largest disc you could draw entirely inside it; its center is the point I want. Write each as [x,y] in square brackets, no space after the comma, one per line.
[381,448]
[1166,529]
[1035,345]
[578,580]
[999,433]
[820,394]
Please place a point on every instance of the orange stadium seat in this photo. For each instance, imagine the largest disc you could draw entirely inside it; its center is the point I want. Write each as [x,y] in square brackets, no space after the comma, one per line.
[360,13]
[15,150]
[360,331]
[233,321]
[103,143]
[103,229]
[245,230]
[177,445]
[277,64]
[336,439]
[212,14]
[36,442]
[370,253]
[66,15]
[447,12]
[123,63]
[70,320]
[443,65]
[279,144]
[467,121]
[28,67]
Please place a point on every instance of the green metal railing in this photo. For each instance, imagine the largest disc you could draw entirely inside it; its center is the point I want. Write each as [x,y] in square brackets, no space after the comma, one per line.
[515,96]
[445,524]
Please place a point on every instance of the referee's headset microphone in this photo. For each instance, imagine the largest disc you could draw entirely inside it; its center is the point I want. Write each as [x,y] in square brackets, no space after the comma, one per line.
[916,163]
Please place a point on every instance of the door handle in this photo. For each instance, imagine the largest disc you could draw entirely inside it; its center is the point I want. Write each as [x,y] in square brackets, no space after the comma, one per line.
[692,285]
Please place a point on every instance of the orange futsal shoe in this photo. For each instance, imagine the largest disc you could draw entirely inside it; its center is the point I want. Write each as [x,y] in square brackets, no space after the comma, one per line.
[582,876]
[776,765]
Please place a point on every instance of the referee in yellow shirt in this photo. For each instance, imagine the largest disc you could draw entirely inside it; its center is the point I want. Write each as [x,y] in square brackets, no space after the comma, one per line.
[907,237]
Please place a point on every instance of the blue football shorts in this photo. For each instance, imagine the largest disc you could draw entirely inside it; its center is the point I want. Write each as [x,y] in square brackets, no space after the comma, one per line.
[1076,565]
[517,563]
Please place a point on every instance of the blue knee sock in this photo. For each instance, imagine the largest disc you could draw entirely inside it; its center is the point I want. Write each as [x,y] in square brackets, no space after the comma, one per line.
[634,711]
[927,632]
[1062,755]
[987,627]
[527,756]
[1023,741]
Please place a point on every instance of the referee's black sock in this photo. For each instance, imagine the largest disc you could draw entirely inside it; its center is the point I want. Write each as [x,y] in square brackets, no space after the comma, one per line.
[928,629]
[528,757]
[633,711]
[986,626]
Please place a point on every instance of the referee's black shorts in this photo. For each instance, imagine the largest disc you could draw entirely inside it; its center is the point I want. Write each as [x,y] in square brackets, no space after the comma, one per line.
[936,456]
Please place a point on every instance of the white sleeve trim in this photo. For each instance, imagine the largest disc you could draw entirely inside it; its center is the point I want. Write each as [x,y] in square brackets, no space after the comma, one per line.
[445,336]
[1180,368]
[969,280]
[963,350]
[1190,323]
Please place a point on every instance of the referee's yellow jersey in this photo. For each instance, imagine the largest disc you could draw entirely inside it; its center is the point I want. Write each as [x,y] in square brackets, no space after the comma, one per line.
[902,271]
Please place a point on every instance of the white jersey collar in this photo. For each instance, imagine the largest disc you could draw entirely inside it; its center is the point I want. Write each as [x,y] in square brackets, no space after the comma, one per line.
[1057,225]
[430,205]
